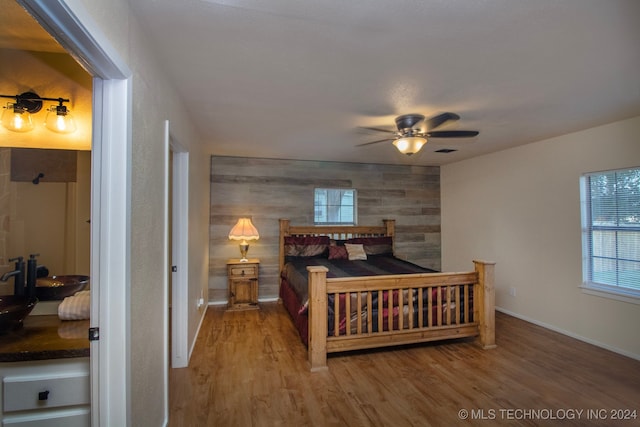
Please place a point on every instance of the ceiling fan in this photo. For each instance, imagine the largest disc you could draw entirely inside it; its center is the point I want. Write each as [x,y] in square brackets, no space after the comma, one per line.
[409,138]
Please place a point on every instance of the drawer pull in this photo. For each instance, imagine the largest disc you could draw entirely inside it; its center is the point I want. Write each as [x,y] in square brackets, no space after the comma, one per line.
[43,395]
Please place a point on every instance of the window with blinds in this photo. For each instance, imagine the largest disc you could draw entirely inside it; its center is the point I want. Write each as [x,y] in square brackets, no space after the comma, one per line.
[335,206]
[611,231]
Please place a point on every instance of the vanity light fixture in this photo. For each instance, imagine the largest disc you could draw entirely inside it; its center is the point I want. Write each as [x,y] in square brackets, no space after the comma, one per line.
[244,230]
[17,115]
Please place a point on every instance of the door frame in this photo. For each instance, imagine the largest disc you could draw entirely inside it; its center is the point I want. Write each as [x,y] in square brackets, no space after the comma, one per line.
[73,27]
[178,202]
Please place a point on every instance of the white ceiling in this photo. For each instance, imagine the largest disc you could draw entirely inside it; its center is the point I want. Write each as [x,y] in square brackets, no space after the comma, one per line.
[296,78]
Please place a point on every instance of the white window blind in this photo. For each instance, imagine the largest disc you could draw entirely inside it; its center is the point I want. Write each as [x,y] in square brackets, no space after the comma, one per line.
[335,206]
[611,231]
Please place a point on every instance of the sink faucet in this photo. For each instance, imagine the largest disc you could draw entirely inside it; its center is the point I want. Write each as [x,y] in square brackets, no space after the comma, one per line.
[9,274]
[33,272]
[18,275]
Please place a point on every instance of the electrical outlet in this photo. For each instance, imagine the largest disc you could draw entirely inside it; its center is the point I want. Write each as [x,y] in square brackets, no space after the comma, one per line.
[201,299]
[512,291]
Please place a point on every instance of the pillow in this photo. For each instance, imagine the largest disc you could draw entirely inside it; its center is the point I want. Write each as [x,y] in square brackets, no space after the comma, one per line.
[356,252]
[374,245]
[338,252]
[306,246]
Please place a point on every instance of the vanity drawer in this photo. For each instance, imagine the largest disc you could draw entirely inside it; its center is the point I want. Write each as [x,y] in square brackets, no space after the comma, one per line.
[76,417]
[24,393]
[245,271]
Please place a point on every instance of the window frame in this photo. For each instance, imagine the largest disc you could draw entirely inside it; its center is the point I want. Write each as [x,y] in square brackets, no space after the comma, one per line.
[589,285]
[338,223]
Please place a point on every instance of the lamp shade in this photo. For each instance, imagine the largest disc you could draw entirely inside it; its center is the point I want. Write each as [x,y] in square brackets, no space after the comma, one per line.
[244,230]
[410,144]
[59,120]
[16,118]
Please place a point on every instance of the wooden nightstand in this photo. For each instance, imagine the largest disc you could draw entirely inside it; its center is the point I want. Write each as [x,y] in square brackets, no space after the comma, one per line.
[243,284]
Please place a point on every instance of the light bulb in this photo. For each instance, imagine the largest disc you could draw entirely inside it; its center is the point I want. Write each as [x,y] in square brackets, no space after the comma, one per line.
[59,120]
[16,119]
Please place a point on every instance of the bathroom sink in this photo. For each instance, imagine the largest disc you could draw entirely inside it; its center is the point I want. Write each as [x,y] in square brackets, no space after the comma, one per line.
[59,287]
[13,310]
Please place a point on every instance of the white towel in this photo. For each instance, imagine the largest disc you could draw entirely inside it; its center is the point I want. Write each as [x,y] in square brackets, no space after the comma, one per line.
[73,329]
[76,307]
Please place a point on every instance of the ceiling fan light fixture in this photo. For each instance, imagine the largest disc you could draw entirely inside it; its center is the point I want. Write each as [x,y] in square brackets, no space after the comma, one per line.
[409,144]
[409,138]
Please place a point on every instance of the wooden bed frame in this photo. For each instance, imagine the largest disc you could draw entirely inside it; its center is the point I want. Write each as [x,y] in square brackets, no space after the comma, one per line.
[481,281]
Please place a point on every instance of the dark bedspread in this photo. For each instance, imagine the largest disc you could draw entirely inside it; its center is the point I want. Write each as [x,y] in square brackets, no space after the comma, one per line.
[295,270]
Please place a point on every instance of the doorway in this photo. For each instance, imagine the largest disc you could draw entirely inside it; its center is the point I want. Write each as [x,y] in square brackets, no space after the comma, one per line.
[110,206]
[178,225]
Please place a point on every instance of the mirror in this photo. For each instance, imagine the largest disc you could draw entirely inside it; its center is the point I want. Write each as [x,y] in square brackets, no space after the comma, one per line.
[47,218]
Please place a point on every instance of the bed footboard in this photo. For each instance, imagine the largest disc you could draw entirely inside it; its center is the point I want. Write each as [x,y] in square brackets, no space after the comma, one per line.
[378,311]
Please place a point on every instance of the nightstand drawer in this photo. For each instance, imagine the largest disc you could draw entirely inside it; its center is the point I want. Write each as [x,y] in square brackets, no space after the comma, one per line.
[243,271]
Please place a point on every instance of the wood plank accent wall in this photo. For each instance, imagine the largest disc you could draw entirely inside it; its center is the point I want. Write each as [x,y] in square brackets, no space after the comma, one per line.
[269,189]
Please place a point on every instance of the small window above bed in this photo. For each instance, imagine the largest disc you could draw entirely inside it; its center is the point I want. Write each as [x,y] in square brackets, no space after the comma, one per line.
[335,206]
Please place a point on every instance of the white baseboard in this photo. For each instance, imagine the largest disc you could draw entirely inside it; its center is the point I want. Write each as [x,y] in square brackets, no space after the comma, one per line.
[570,334]
[214,303]
[219,302]
[195,336]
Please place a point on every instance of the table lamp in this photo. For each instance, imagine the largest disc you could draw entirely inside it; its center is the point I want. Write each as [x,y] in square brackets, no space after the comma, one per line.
[243,231]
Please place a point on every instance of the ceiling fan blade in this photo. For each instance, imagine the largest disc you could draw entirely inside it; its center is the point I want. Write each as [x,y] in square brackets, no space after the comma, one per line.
[452,134]
[406,122]
[375,142]
[438,120]
[377,129]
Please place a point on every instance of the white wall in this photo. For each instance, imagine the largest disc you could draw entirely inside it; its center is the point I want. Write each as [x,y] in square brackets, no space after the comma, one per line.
[521,208]
[153,101]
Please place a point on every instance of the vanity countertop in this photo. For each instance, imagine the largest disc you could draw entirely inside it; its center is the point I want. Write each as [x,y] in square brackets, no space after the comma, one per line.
[45,337]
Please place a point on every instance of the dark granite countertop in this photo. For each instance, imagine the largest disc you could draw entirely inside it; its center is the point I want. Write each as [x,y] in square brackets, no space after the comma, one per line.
[45,337]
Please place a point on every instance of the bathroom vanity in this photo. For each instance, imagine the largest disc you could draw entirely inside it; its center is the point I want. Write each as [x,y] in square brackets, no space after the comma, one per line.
[44,369]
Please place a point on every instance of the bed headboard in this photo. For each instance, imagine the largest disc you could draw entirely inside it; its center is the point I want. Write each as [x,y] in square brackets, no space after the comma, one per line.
[338,232]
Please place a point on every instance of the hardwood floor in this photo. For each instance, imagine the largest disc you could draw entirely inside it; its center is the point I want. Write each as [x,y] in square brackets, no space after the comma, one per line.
[249,368]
